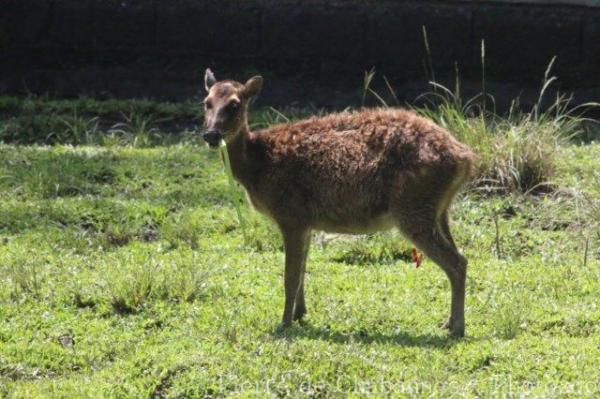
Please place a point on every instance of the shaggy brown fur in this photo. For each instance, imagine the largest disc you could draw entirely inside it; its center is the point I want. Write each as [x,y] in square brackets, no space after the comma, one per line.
[350,172]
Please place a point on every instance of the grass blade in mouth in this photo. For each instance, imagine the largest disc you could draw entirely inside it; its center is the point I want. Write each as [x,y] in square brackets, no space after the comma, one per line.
[233,192]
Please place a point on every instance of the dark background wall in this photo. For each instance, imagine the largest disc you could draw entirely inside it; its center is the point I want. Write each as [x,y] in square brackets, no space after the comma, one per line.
[311,50]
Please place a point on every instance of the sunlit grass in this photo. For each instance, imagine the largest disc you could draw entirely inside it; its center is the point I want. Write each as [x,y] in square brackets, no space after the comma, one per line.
[142,284]
[126,273]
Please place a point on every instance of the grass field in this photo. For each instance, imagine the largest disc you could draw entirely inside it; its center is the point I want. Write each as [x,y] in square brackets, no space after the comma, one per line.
[125,274]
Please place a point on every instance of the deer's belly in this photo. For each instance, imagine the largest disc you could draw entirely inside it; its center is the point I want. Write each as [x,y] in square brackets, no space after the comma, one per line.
[337,211]
[354,224]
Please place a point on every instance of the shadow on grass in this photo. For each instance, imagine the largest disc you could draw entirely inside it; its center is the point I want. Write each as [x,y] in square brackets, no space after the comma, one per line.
[400,338]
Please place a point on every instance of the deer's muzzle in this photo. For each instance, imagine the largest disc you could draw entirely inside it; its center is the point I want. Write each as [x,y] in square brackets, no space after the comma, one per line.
[212,137]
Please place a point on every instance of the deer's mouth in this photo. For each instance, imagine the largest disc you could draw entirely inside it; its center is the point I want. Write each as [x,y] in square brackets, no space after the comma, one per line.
[213,138]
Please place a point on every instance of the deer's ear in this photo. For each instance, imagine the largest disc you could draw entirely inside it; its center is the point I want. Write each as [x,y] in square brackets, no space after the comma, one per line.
[253,86]
[209,79]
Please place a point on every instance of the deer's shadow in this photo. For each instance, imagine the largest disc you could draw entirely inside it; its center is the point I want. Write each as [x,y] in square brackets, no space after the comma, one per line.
[400,338]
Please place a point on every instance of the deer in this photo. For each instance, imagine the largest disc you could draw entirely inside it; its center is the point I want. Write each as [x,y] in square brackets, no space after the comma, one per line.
[351,172]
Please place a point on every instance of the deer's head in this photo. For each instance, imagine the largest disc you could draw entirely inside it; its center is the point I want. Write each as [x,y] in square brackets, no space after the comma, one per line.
[226,107]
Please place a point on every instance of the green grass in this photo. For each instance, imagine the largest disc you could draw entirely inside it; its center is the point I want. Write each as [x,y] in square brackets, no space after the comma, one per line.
[138,123]
[125,274]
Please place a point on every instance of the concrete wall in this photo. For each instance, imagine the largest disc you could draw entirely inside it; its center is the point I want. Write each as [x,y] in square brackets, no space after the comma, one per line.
[324,38]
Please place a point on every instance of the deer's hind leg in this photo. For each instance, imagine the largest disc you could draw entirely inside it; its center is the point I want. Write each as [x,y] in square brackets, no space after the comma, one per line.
[425,232]
[421,216]
[444,227]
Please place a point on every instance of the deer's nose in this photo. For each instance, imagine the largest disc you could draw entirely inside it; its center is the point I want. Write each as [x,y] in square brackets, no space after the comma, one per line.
[212,137]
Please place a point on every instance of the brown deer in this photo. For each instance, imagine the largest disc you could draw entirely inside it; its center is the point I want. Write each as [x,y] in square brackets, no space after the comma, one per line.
[348,172]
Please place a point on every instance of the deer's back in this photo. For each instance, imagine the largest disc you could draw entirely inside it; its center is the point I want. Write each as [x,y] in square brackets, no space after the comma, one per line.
[363,139]
[342,166]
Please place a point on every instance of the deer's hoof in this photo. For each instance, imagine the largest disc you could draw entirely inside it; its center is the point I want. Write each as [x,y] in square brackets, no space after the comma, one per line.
[282,327]
[299,314]
[457,330]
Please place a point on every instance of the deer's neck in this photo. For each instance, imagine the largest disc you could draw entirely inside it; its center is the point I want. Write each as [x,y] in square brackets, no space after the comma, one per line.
[245,158]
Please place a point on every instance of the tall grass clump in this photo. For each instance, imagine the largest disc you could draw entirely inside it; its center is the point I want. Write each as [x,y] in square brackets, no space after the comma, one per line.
[137,278]
[508,312]
[25,278]
[518,152]
[137,130]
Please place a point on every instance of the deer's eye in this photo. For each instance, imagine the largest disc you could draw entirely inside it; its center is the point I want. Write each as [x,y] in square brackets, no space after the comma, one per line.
[207,105]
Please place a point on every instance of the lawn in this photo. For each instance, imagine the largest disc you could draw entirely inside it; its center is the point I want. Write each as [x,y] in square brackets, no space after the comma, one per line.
[125,274]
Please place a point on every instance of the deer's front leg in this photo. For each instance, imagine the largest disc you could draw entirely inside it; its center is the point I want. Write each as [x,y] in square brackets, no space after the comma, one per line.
[295,243]
[300,307]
